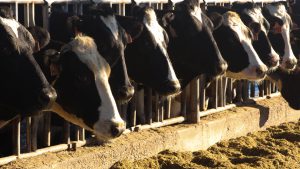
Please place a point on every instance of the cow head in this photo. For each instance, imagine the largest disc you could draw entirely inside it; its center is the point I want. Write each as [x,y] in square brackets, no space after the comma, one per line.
[147,58]
[84,94]
[192,47]
[251,15]
[24,88]
[288,83]
[99,23]
[280,23]
[235,42]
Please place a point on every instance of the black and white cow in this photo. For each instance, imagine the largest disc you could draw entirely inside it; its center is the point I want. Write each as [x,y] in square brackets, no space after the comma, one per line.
[147,58]
[84,95]
[281,24]
[251,15]
[24,88]
[234,40]
[192,47]
[110,38]
[288,83]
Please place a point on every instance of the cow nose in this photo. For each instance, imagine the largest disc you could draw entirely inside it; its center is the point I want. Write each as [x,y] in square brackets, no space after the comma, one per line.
[291,63]
[117,129]
[169,88]
[223,67]
[274,61]
[47,96]
[125,93]
[260,71]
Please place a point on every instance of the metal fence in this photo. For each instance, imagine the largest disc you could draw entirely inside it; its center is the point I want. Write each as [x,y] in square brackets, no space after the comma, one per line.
[146,110]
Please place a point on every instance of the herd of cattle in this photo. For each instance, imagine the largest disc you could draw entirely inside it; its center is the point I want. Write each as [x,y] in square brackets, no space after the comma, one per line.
[90,62]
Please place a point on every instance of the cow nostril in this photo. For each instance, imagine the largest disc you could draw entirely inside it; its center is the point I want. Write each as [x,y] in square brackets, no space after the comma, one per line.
[126,92]
[260,72]
[117,130]
[290,64]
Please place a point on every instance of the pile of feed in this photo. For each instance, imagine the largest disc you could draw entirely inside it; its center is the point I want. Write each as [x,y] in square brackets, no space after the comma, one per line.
[277,147]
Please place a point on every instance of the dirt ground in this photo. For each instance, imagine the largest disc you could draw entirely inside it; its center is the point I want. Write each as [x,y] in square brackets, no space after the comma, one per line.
[277,147]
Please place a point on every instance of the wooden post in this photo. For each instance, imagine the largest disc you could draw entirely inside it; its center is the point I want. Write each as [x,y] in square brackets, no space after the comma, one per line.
[194,111]
[148,106]
[47,129]
[16,136]
[261,89]
[214,99]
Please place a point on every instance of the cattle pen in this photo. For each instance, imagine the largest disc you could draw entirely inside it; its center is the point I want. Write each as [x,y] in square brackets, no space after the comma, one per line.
[146,109]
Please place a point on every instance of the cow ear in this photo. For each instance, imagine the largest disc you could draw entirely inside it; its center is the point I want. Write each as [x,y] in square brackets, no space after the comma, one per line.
[132,27]
[167,18]
[216,19]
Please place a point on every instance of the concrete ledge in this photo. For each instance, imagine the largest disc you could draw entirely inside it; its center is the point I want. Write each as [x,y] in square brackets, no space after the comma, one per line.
[184,137]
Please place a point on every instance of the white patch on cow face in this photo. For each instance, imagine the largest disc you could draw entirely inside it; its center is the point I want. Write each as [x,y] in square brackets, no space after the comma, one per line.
[86,50]
[280,12]
[156,30]
[111,22]
[13,24]
[197,12]
[233,20]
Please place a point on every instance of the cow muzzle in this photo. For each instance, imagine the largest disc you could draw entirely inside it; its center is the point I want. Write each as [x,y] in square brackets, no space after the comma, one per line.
[47,97]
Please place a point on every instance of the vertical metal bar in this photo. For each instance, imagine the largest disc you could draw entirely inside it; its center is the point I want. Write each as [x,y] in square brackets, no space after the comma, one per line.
[77,133]
[183,104]
[26,14]
[220,92]
[148,106]
[229,92]
[161,108]
[224,87]
[82,134]
[46,13]
[32,14]
[47,129]
[133,110]
[66,130]
[34,131]
[80,9]
[167,108]
[28,133]
[75,8]
[239,89]
[245,94]
[202,92]
[156,107]
[194,111]
[252,89]
[265,87]
[214,87]
[16,11]
[140,106]
[17,136]
[261,89]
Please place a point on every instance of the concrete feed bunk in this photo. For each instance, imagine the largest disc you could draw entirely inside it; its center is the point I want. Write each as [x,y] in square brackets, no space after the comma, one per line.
[225,125]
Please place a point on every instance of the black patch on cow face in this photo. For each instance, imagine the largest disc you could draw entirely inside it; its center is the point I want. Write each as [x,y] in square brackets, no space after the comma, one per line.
[23,88]
[76,88]
[277,42]
[263,48]
[231,49]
